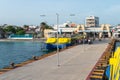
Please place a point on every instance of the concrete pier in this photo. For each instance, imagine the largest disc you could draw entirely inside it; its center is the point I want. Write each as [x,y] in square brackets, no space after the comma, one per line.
[75,64]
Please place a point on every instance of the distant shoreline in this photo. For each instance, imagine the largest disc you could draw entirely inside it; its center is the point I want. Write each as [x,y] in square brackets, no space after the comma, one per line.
[32,40]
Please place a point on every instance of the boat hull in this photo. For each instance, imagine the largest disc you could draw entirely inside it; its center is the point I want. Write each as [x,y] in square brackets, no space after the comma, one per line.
[54,46]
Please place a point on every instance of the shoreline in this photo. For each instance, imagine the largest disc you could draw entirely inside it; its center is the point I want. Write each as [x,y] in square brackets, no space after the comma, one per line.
[73,62]
[32,40]
[9,68]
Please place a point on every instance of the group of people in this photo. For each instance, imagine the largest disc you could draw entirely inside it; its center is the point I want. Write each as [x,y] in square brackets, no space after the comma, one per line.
[82,41]
[87,41]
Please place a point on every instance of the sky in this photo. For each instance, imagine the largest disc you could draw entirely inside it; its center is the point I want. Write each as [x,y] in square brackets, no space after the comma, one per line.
[20,12]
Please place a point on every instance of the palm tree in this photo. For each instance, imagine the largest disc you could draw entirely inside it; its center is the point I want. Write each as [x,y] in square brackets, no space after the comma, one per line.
[26,27]
[43,27]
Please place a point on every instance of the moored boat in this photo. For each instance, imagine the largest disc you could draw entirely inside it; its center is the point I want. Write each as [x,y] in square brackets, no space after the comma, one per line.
[52,43]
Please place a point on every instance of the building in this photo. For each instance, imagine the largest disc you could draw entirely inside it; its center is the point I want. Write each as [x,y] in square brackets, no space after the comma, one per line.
[116,31]
[103,30]
[92,21]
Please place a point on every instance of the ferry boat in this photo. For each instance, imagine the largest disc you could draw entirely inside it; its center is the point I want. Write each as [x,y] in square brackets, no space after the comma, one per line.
[62,41]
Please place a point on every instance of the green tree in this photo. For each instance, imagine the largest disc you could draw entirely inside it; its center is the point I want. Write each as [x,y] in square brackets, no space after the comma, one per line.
[2,32]
[10,29]
[19,29]
[21,32]
[26,27]
[66,25]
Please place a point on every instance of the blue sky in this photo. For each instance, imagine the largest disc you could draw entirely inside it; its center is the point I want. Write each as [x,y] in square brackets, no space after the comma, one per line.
[20,12]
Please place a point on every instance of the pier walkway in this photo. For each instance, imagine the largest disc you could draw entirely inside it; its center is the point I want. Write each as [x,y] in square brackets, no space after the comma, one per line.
[75,64]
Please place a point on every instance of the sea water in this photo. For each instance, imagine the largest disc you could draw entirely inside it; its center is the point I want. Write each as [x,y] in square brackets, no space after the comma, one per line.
[18,52]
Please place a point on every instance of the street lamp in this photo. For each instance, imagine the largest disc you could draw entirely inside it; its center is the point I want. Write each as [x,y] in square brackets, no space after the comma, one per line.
[42,15]
[94,32]
[83,43]
[58,60]
[94,29]
[41,27]
[72,15]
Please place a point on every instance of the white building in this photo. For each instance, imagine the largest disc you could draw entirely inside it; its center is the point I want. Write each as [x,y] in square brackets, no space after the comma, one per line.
[32,26]
[116,32]
[101,31]
[92,21]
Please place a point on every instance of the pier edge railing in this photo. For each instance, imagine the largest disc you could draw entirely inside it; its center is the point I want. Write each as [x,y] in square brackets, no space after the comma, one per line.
[98,71]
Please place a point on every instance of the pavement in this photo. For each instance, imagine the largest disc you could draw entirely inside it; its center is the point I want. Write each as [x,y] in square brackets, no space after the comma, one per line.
[75,64]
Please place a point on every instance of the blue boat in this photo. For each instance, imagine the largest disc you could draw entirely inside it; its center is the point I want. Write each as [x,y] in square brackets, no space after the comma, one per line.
[52,43]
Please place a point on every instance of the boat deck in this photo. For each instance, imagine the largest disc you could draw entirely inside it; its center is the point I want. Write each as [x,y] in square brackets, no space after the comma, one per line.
[75,64]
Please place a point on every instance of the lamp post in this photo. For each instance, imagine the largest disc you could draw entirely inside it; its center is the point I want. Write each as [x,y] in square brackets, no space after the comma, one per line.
[72,15]
[83,43]
[94,32]
[94,29]
[42,28]
[42,15]
[58,60]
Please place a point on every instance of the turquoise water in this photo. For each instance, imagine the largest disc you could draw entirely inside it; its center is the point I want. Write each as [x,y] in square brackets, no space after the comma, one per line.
[18,52]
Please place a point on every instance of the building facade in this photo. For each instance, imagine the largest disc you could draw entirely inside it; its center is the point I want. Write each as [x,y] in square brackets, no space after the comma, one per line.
[101,31]
[92,21]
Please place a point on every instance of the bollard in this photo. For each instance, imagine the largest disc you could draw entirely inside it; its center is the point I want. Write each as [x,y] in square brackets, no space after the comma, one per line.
[12,64]
[34,58]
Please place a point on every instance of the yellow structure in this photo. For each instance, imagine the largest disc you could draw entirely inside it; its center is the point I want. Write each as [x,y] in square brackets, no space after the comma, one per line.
[105,28]
[47,32]
[64,40]
[51,40]
[60,40]
[101,31]
[115,65]
[81,28]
